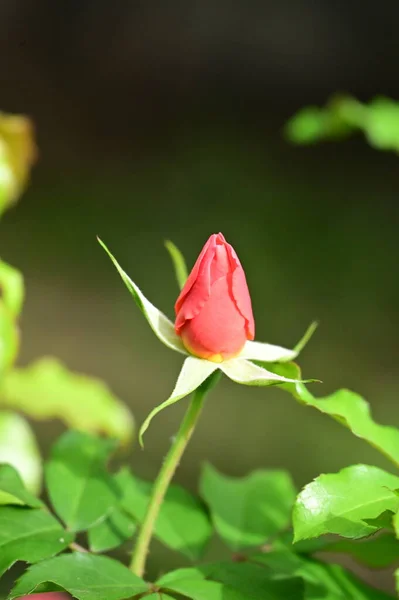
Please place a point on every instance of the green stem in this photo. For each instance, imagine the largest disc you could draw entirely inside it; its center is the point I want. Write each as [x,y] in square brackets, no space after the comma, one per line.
[166,473]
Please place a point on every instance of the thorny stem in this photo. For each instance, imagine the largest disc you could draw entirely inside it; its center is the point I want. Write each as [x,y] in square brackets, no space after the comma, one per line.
[166,473]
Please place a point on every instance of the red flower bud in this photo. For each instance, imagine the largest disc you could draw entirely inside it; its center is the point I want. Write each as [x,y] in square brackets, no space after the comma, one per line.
[214,312]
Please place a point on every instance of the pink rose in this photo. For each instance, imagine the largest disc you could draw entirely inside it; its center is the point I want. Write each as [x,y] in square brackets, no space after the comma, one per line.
[214,312]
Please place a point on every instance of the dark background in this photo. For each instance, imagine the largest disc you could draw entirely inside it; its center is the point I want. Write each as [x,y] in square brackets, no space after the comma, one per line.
[163,120]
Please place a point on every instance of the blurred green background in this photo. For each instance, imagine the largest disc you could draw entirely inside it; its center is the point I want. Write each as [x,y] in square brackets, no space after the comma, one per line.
[165,122]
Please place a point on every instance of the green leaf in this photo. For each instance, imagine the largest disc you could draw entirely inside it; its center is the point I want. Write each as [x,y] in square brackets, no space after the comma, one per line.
[313,124]
[248,510]
[80,489]
[9,339]
[159,323]
[12,288]
[383,521]
[13,491]
[183,523]
[112,532]
[84,576]
[377,552]
[18,447]
[47,389]
[322,581]
[30,535]
[247,373]
[117,527]
[254,581]
[247,581]
[194,372]
[201,589]
[395,523]
[340,502]
[168,579]
[382,124]
[269,353]
[346,407]
[17,154]
[159,596]
[178,262]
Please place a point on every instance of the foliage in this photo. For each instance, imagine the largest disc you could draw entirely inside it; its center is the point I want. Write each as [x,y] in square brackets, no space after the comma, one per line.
[279,540]
[46,389]
[343,115]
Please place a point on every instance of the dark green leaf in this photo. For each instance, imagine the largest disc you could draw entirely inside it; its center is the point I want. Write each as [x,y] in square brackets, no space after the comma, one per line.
[159,596]
[201,589]
[383,521]
[322,581]
[232,581]
[118,527]
[378,551]
[178,262]
[84,576]
[253,581]
[182,524]
[13,491]
[18,447]
[47,389]
[29,535]
[340,502]
[248,510]
[346,407]
[112,532]
[249,581]
[80,489]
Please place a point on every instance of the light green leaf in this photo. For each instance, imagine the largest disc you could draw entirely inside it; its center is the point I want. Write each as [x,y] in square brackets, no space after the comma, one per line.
[246,511]
[29,535]
[80,489]
[159,323]
[84,576]
[17,154]
[382,124]
[178,262]
[47,389]
[346,407]
[183,523]
[13,491]
[9,339]
[247,373]
[270,353]
[193,373]
[18,447]
[340,502]
[12,288]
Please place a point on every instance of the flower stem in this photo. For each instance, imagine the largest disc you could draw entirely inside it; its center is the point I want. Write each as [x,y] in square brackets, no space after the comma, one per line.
[166,473]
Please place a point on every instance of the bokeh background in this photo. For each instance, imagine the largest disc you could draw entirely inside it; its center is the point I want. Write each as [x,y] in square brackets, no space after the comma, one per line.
[161,120]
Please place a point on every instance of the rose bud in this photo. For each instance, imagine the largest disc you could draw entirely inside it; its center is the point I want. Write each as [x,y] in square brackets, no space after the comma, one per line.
[214,312]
